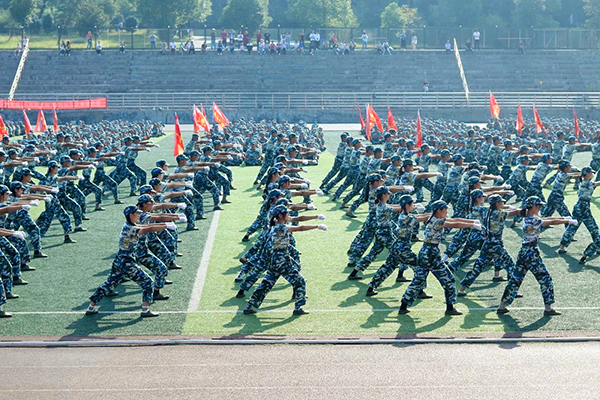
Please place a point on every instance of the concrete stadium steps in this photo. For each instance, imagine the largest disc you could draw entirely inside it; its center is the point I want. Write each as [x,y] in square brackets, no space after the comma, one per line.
[143,71]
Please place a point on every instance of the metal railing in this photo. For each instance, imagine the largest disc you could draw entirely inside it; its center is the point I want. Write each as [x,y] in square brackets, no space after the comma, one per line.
[329,101]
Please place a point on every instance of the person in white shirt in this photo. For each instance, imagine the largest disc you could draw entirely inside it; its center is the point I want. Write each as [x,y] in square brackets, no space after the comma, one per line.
[413,42]
[476,38]
[365,39]
[98,48]
[173,46]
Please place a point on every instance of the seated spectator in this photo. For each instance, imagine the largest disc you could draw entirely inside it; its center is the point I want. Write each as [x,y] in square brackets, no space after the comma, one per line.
[425,86]
[387,49]
[344,48]
[68,48]
[352,45]
[18,49]
[99,48]
[521,47]
[261,47]
[192,48]
[204,46]
[219,47]
[122,47]
[272,47]
[63,49]
[448,47]
[249,47]
[468,46]
[164,48]
[379,48]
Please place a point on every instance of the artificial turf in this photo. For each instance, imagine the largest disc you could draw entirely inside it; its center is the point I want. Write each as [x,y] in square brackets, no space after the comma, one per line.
[338,306]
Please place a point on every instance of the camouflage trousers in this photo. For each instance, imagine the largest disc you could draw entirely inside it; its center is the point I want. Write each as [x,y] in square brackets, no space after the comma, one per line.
[419,185]
[119,174]
[400,256]
[429,260]
[472,246]
[71,205]
[337,163]
[338,178]
[124,266]
[458,240]
[109,184]
[23,219]
[53,209]
[11,254]
[583,214]
[274,272]
[529,260]
[139,173]
[556,202]
[158,268]
[87,187]
[492,253]
[350,180]
[382,241]
[362,241]
[357,187]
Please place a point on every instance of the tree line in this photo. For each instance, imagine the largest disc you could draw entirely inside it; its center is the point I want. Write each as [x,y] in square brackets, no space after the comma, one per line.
[97,15]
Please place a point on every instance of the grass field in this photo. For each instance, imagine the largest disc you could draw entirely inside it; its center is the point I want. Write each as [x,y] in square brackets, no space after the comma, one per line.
[53,303]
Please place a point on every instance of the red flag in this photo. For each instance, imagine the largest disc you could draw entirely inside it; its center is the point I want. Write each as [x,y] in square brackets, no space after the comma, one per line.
[539,127]
[419,131]
[41,126]
[368,123]
[178,139]
[219,117]
[3,131]
[373,117]
[200,120]
[576,123]
[519,126]
[55,121]
[391,123]
[494,107]
[27,123]
[362,121]
[202,109]
[195,113]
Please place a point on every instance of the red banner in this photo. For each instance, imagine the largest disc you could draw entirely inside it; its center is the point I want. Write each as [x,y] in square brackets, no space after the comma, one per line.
[51,105]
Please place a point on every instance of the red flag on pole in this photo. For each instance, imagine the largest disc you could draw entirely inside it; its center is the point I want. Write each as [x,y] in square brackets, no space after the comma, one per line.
[360,117]
[26,123]
[576,123]
[373,117]
[219,117]
[200,120]
[55,121]
[178,139]
[391,123]
[520,124]
[419,131]
[368,123]
[539,127]
[494,107]
[202,109]
[195,118]
[3,131]
[41,126]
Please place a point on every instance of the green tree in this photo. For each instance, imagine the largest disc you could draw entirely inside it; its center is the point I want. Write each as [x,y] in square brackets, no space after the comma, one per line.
[173,13]
[591,8]
[449,13]
[250,13]
[368,12]
[394,16]
[91,16]
[48,23]
[322,13]
[22,11]
[536,13]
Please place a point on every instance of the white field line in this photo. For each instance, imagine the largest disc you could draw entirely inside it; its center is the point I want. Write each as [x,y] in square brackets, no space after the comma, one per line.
[203,268]
[285,310]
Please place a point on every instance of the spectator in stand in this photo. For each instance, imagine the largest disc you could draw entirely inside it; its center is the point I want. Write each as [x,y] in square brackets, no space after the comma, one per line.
[272,47]
[414,41]
[63,49]
[521,47]
[213,39]
[469,46]
[344,48]
[204,47]
[448,46]
[318,40]
[173,46]
[313,41]
[379,47]
[261,47]
[301,48]
[18,49]
[240,40]
[403,40]
[232,36]
[164,48]
[220,48]
[267,38]
[387,49]
[476,38]
[98,48]
[68,48]
[301,39]
[89,38]
[352,45]
[425,86]
[365,40]
[246,39]
[249,47]
[152,41]
[288,39]
[258,38]
[122,47]
[223,37]
[192,47]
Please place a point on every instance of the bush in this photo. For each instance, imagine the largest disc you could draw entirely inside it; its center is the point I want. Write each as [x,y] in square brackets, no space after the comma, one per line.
[35,27]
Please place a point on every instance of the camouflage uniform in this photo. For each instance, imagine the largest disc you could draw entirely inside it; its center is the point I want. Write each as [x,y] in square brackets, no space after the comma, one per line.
[583,214]
[556,199]
[529,260]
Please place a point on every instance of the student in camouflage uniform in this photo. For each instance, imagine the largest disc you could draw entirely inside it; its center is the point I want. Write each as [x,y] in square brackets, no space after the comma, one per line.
[53,206]
[361,180]
[556,199]
[22,218]
[100,177]
[337,163]
[424,161]
[269,149]
[474,241]
[344,168]
[400,255]
[492,250]
[441,182]
[430,260]
[66,175]
[124,265]
[353,169]
[121,172]
[583,214]
[529,258]
[280,261]
[86,186]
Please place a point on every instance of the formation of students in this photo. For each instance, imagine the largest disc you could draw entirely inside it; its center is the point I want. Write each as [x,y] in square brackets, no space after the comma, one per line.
[478,172]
